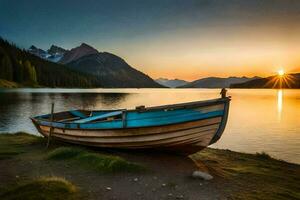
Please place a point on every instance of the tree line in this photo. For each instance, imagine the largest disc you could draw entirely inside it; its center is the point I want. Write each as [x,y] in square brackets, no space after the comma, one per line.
[19,66]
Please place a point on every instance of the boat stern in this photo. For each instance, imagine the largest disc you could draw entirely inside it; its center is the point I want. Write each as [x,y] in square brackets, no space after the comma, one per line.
[222,126]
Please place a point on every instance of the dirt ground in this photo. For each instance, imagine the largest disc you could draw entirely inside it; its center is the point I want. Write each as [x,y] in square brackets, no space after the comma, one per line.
[167,176]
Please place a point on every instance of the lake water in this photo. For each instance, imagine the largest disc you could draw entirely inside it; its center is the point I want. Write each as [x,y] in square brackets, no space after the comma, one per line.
[259,119]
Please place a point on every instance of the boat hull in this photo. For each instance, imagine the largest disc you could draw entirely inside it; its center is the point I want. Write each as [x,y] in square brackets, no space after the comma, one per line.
[185,137]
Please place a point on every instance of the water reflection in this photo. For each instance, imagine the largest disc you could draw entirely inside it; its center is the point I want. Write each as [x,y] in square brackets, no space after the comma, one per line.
[279,103]
[259,120]
[113,99]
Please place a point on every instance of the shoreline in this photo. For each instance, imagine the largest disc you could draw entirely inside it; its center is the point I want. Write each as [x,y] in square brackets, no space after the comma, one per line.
[23,158]
[5,84]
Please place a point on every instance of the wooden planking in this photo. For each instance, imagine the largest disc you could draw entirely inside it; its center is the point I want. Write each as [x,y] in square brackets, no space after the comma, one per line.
[193,132]
[203,140]
[152,137]
[195,139]
[146,138]
[117,143]
[210,108]
[97,117]
[185,150]
[187,147]
[136,131]
[77,113]
[68,119]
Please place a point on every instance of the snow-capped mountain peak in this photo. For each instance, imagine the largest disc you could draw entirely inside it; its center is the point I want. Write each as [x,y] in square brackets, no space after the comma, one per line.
[53,54]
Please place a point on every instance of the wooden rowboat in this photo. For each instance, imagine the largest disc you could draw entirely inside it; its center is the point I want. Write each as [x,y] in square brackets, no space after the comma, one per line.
[186,127]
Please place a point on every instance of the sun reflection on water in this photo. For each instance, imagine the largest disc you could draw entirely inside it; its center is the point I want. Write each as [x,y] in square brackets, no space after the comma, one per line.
[279,103]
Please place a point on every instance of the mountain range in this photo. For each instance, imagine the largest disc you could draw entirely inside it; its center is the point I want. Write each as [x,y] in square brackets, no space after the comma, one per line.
[110,70]
[23,69]
[171,83]
[287,81]
[85,66]
[217,82]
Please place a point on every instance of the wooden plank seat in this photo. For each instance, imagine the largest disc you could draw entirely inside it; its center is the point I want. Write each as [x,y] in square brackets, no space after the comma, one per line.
[69,119]
[97,117]
[77,113]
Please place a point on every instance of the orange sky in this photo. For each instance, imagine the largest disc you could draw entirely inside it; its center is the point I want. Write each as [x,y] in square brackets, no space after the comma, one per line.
[192,54]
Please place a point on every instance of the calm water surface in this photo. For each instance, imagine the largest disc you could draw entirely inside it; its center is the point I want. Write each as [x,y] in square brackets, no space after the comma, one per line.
[259,120]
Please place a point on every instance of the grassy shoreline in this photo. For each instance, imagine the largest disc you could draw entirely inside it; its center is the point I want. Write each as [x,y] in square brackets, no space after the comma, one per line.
[85,173]
[5,84]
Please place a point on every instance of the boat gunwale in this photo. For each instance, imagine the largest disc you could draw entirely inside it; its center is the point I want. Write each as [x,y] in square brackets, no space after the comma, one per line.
[36,120]
[185,105]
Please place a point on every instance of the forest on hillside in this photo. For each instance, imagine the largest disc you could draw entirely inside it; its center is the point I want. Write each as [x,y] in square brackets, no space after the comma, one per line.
[17,65]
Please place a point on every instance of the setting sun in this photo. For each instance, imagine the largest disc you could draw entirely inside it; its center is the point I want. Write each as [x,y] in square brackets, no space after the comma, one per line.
[281,72]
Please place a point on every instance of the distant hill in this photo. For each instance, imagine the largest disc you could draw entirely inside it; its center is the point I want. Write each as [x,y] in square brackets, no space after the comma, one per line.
[288,81]
[172,83]
[109,69]
[216,82]
[26,69]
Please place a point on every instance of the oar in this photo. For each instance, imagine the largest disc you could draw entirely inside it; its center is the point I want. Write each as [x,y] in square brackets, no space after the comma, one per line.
[51,128]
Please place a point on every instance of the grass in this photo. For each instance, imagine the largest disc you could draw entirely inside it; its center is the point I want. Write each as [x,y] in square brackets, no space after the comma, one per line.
[92,160]
[63,153]
[45,188]
[254,176]
[18,143]
[263,155]
[13,144]
[21,148]
[8,84]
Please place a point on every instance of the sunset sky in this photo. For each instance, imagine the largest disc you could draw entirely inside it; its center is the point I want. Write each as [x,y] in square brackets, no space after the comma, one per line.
[186,39]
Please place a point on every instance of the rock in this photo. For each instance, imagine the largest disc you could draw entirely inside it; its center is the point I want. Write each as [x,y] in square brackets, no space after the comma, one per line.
[170,194]
[136,179]
[164,185]
[202,175]
[108,188]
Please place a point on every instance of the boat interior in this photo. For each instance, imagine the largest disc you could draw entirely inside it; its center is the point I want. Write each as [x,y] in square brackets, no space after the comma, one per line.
[83,116]
[88,116]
